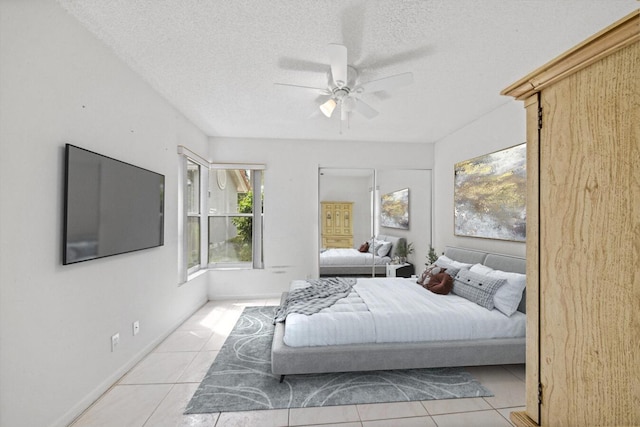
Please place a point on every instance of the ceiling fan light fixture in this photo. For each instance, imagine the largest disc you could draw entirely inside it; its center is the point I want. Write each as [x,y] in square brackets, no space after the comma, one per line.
[344,113]
[344,90]
[328,107]
[349,104]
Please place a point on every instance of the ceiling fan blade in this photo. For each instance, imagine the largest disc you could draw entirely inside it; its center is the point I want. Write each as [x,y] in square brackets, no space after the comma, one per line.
[386,83]
[352,28]
[376,61]
[365,109]
[317,90]
[296,64]
[338,62]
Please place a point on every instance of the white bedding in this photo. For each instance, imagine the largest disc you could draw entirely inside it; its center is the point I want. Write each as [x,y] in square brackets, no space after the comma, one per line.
[386,310]
[350,257]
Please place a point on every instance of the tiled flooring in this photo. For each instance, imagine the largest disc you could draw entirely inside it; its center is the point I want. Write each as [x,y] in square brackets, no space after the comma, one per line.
[155,392]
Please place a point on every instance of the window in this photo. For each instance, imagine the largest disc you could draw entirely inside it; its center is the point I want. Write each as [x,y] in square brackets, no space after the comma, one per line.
[194,216]
[235,217]
[221,215]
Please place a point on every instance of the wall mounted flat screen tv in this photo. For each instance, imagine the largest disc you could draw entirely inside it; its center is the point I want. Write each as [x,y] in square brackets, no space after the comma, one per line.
[110,207]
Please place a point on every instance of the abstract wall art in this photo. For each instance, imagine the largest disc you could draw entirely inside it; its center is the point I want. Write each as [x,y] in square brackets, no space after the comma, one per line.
[394,209]
[490,195]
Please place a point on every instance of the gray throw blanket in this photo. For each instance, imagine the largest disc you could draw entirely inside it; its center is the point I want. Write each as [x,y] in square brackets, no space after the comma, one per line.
[321,293]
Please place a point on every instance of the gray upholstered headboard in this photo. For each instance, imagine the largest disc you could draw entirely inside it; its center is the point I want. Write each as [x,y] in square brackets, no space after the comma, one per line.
[394,242]
[469,256]
[495,261]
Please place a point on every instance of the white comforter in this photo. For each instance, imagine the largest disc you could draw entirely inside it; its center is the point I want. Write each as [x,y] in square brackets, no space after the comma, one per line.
[351,257]
[387,310]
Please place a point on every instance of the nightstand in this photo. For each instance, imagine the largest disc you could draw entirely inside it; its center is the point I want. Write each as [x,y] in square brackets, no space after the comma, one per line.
[400,270]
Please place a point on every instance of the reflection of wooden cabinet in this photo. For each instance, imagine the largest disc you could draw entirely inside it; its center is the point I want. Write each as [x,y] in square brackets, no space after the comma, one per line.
[583,218]
[337,224]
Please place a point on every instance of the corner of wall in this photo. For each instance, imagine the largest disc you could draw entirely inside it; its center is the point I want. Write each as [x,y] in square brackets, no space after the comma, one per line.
[501,128]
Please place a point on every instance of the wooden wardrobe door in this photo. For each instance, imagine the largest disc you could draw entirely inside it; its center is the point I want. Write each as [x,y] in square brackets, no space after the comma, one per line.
[337,224]
[328,223]
[590,245]
[531,415]
[533,264]
[346,219]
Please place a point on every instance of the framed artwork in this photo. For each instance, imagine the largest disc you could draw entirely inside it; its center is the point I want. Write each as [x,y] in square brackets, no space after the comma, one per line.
[394,209]
[490,195]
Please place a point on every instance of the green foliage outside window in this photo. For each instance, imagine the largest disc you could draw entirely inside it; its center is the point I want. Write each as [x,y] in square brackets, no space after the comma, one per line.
[244,227]
[243,224]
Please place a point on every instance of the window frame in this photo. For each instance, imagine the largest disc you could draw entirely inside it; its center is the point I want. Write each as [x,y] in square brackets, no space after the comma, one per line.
[257,223]
[184,272]
[199,215]
[186,156]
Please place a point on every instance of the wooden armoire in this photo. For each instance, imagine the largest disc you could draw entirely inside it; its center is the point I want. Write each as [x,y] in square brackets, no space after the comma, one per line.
[583,233]
[337,224]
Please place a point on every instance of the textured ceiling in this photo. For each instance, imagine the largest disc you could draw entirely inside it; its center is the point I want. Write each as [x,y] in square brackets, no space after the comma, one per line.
[216,60]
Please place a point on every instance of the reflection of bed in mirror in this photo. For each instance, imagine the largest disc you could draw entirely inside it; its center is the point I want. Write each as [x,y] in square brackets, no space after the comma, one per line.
[350,261]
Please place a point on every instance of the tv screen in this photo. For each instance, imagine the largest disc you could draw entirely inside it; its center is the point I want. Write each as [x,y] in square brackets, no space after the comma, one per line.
[110,207]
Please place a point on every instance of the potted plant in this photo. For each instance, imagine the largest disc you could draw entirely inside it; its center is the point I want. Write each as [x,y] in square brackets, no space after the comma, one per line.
[403,250]
[432,256]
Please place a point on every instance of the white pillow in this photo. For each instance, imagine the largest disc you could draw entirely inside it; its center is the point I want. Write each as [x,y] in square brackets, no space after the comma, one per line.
[384,248]
[507,298]
[481,269]
[446,262]
[443,261]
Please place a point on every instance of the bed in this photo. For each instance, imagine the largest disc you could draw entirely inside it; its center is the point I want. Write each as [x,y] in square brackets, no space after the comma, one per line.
[367,356]
[351,262]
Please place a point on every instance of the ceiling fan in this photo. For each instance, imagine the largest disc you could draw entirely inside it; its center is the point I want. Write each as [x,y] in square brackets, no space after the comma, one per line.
[344,88]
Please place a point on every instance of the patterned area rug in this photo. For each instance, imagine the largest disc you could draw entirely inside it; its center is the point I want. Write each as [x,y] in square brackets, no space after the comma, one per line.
[240,378]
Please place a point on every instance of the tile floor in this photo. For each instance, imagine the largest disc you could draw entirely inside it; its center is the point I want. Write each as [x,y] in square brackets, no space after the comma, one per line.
[155,392]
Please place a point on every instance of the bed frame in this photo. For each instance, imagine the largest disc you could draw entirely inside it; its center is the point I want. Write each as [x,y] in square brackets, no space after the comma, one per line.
[287,360]
[362,270]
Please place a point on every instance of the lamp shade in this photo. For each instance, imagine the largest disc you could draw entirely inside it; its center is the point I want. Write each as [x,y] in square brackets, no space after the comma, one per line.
[328,107]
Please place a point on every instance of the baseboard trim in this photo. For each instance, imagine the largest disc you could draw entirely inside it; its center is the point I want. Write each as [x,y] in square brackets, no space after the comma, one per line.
[244,297]
[92,398]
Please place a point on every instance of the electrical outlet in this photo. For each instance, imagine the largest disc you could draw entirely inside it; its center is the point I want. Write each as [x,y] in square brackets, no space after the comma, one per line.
[115,340]
[136,327]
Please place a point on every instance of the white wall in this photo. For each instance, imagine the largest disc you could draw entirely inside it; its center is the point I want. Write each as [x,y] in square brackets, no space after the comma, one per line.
[501,128]
[58,84]
[291,202]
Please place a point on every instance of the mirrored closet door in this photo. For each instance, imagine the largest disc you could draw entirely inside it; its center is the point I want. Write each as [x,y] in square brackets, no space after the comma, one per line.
[360,206]
[346,221]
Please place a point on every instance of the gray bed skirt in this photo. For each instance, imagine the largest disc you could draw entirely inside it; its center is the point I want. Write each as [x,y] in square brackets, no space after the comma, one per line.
[287,360]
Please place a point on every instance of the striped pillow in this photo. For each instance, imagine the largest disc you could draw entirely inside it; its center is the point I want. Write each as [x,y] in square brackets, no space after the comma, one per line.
[477,288]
